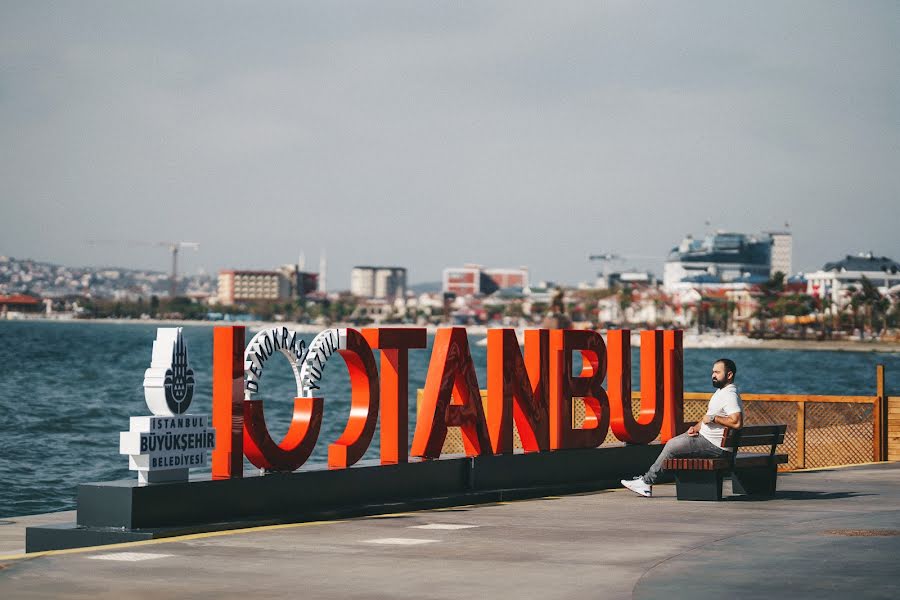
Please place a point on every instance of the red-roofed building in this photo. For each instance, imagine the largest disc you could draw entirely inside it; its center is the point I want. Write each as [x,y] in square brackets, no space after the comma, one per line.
[19,303]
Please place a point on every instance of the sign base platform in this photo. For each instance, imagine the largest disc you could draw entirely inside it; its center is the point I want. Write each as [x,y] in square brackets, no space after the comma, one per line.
[125,511]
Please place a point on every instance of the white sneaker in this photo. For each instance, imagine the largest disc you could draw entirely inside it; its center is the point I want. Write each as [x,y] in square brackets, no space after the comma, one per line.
[638,486]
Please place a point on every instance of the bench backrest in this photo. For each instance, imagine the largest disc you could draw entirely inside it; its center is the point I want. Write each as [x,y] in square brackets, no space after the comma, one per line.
[754,435]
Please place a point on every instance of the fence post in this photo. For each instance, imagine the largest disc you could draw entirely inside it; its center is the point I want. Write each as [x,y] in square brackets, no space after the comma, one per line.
[801,435]
[882,418]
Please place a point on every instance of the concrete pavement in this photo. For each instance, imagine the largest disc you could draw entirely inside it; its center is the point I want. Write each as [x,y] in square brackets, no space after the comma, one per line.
[828,534]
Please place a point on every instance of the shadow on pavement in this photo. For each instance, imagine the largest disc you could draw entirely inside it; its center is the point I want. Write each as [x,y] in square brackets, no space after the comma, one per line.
[798,495]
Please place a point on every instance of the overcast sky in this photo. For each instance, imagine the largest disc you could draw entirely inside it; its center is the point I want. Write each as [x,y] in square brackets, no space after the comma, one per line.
[430,134]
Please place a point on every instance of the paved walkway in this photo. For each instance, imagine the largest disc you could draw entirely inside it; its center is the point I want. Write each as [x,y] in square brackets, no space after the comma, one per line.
[609,544]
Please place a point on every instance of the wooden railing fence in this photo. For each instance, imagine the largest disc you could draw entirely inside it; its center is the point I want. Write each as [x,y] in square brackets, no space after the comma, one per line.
[823,430]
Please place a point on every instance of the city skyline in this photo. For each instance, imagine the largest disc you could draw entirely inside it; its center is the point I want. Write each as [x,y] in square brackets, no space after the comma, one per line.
[601,270]
[434,136]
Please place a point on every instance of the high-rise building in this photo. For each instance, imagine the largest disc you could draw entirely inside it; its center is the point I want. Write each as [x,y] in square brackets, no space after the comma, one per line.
[378,282]
[249,286]
[719,258]
[782,249]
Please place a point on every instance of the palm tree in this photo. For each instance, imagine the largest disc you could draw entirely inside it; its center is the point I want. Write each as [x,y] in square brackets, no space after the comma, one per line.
[870,300]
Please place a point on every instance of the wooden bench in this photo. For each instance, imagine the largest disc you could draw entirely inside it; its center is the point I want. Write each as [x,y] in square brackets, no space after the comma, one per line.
[752,473]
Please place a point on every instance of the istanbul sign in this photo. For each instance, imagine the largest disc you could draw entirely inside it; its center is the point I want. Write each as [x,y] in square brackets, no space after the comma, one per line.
[534,390]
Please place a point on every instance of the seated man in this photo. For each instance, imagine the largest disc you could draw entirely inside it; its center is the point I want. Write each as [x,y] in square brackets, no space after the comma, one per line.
[704,439]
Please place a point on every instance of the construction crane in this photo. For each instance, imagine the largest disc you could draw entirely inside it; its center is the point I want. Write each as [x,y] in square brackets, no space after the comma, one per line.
[606,258]
[173,247]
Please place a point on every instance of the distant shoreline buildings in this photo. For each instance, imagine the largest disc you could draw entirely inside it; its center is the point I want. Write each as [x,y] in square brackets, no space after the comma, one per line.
[723,280]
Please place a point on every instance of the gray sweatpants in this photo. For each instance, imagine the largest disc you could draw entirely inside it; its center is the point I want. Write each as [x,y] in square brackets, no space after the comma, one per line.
[681,446]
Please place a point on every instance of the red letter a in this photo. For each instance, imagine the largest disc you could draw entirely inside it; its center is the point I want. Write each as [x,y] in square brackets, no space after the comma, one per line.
[451,397]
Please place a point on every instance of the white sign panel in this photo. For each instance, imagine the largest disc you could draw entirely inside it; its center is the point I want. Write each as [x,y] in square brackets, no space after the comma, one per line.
[163,446]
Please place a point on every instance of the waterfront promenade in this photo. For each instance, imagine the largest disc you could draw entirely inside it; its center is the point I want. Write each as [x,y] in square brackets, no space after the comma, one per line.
[831,533]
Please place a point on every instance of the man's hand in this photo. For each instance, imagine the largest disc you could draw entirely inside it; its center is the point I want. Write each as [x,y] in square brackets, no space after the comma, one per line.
[693,431]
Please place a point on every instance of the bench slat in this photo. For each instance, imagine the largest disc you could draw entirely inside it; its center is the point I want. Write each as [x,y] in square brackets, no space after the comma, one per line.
[759,460]
[771,435]
[734,438]
[743,459]
[696,464]
[754,435]
[766,440]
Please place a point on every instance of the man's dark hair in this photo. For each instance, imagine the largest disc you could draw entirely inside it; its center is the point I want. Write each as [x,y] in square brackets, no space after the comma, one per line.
[729,365]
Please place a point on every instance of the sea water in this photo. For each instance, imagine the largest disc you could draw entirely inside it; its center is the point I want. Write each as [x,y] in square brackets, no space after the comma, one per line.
[68,388]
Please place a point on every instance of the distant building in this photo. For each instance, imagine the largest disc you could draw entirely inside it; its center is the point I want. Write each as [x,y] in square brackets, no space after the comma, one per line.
[323,274]
[378,282]
[464,281]
[646,306]
[782,251]
[250,286]
[835,278]
[474,280]
[18,303]
[301,283]
[623,278]
[307,283]
[509,278]
[720,258]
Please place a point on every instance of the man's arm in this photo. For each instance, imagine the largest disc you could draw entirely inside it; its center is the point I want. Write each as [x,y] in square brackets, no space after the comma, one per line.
[732,421]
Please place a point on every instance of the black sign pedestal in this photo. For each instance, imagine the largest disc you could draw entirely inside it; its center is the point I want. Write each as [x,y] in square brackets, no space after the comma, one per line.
[124,511]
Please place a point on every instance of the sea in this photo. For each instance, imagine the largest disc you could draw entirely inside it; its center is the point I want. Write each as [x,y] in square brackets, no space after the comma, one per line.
[68,388]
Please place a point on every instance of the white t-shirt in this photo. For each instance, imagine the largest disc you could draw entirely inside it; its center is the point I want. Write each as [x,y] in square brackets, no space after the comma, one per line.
[724,402]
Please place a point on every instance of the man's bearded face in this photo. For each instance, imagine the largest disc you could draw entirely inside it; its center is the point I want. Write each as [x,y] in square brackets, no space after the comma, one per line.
[719,376]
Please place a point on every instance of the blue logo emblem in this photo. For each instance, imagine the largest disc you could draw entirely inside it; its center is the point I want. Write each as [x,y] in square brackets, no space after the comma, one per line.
[179,381]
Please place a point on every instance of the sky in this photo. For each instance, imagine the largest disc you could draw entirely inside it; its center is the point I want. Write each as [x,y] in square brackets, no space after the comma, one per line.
[433,134]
